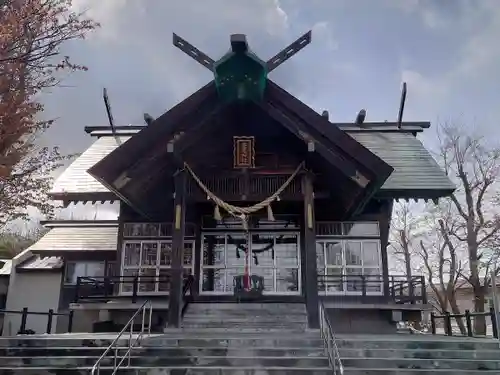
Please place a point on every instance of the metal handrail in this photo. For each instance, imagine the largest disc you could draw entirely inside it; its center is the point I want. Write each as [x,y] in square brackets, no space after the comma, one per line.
[330,341]
[146,307]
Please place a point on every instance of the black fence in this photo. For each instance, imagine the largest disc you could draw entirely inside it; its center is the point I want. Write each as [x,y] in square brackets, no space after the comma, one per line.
[119,287]
[401,289]
[407,290]
[25,313]
[451,328]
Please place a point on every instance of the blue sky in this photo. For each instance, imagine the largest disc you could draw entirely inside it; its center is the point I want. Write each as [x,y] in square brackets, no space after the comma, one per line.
[448,52]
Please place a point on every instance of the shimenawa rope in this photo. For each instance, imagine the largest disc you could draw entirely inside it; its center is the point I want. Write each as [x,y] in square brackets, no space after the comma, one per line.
[243,212]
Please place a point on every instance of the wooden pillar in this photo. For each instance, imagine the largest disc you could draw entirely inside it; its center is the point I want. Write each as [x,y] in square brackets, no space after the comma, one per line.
[311,272]
[384,224]
[177,267]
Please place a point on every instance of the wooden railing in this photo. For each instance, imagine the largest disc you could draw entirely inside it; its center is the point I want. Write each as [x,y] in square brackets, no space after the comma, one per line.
[50,314]
[116,287]
[401,290]
[447,320]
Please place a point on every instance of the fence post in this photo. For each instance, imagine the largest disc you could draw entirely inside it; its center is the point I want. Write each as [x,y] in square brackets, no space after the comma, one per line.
[106,286]
[423,290]
[494,322]
[433,323]
[363,285]
[70,321]
[135,287]
[77,290]
[447,322]
[49,320]
[24,318]
[468,321]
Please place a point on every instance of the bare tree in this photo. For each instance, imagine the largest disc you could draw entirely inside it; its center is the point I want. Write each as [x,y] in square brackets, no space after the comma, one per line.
[404,231]
[420,241]
[473,163]
[441,259]
[32,33]
[13,242]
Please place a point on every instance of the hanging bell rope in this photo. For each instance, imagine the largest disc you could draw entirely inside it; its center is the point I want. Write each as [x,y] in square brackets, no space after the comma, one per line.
[243,212]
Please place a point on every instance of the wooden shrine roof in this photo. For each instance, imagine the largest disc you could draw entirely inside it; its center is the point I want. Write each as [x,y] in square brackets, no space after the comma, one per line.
[392,161]
[129,168]
[416,174]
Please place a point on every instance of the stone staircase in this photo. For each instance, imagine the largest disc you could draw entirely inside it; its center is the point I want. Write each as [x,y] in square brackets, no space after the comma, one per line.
[405,354]
[279,344]
[249,339]
[262,316]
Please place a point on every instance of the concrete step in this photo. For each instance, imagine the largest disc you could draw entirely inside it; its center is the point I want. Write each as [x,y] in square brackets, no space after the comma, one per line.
[262,326]
[243,331]
[258,319]
[164,351]
[417,363]
[421,342]
[283,307]
[244,311]
[198,370]
[172,361]
[236,340]
[419,353]
[396,371]
[65,340]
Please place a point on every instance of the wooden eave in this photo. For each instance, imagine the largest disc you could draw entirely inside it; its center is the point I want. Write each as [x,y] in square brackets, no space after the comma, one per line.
[68,198]
[124,170]
[282,105]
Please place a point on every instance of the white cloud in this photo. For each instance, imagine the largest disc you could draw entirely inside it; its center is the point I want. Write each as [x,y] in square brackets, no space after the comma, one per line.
[477,27]
[323,34]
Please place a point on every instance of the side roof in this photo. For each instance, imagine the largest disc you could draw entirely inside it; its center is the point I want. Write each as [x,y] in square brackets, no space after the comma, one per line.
[416,174]
[77,236]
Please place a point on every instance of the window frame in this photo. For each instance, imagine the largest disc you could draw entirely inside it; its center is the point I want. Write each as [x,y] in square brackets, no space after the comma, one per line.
[86,263]
[158,267]
[342,236]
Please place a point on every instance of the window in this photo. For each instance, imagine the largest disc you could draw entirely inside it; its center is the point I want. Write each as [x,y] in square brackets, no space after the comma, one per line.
[74,270]
[344,265]
[151,261]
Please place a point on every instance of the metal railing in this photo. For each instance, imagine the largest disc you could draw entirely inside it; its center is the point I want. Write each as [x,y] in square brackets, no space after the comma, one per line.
[187,298]
[146,309]
[330,341]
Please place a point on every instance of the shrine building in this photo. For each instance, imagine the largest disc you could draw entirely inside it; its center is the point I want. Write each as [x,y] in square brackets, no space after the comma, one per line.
[239,194]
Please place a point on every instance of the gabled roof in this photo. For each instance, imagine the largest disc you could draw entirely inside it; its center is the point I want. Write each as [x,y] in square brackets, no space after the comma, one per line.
[147,149]
[75,179]
[78,236]
[416,174]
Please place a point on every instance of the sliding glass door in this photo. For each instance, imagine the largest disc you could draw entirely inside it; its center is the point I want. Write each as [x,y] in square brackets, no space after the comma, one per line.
[274,256]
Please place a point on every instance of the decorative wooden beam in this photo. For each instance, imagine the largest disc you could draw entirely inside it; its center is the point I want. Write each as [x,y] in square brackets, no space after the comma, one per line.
[345,166]
[177,268]
[332,136]
[309,253]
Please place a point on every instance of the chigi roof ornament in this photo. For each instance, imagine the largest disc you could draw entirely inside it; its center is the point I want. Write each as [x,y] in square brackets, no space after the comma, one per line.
[240,74]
